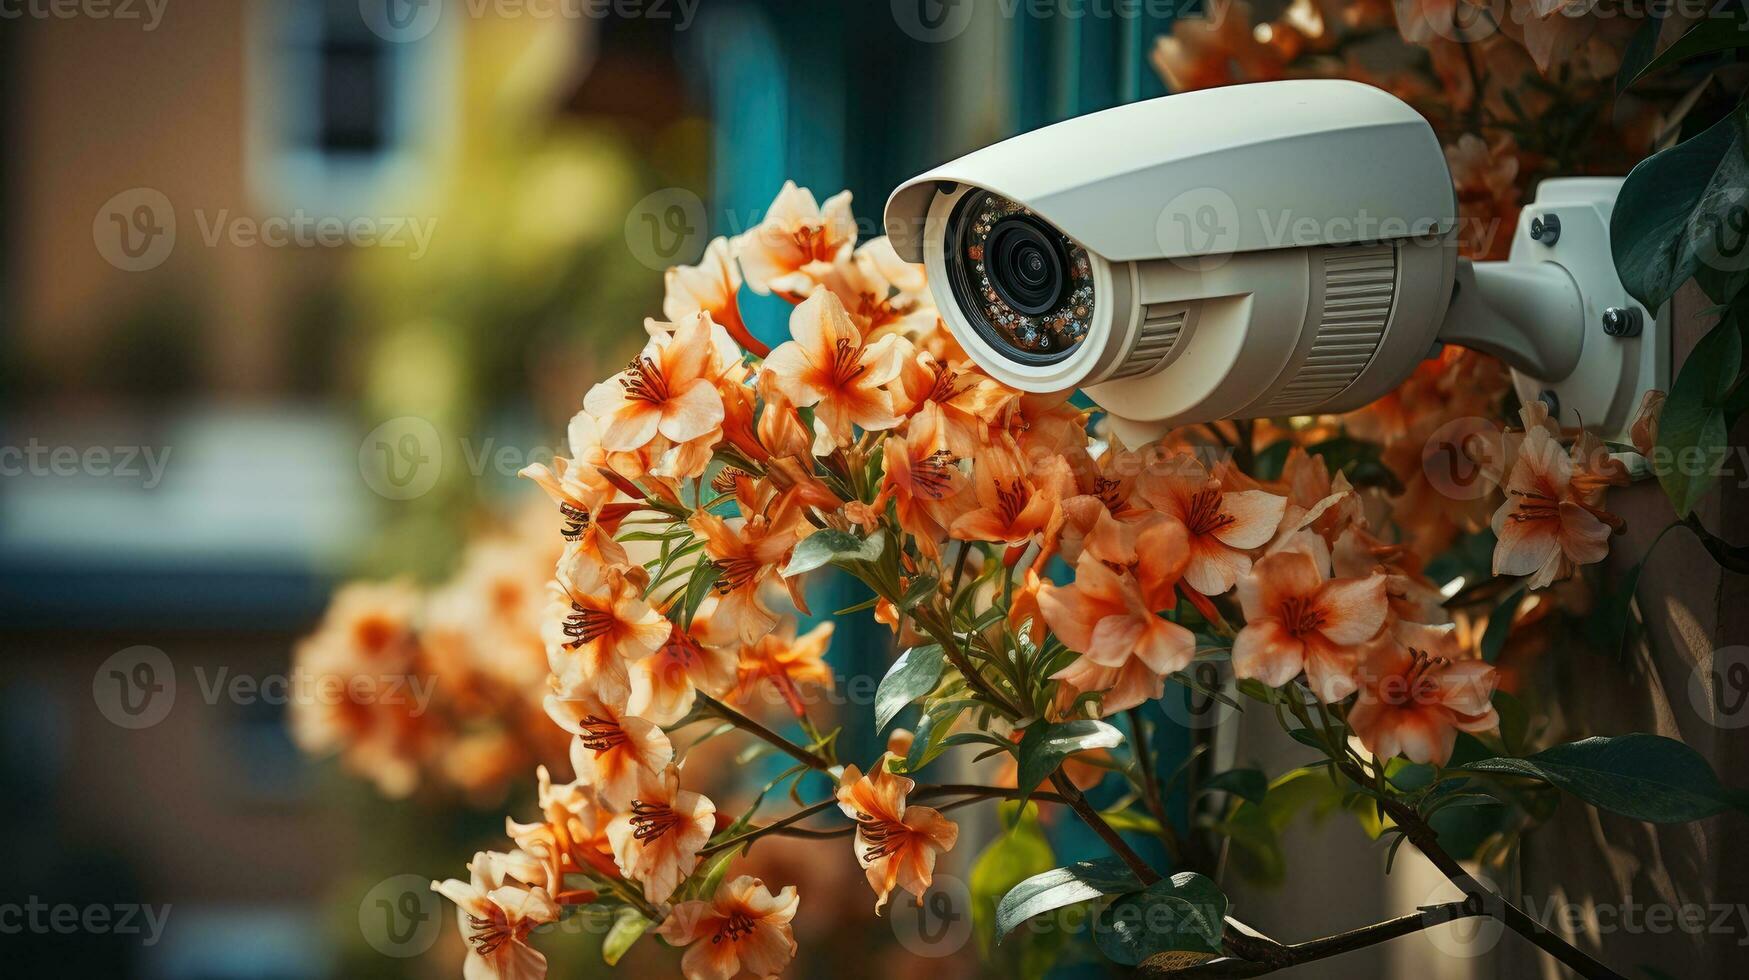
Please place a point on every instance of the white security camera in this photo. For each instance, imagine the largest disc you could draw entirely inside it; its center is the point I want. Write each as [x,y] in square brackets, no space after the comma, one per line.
[1273,249]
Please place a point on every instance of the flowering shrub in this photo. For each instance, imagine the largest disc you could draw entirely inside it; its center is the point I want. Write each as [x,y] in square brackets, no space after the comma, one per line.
[1045,583]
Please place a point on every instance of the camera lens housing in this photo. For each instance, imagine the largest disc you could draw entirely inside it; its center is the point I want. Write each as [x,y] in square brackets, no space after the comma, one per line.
[1027,288]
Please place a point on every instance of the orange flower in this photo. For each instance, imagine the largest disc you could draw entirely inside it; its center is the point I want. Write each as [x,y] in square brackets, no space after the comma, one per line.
[896,844]
[1014,505]
[1644,429]
[1111,617]
[367,631]
[1218,49]
[570,837]
[1486,178]
[784,661]
[582,491]
[668,391]
[798,243]
[496,915]
[968,398]
[612,749]
[1420,689]
[922,477]
[827,367]
[748,928]
[1545,529]
[697,659]
[1298,619]
[596,622]
[1412,595]
[657,843]
[1223,526]
[882,292]
[712,286]
[747,552]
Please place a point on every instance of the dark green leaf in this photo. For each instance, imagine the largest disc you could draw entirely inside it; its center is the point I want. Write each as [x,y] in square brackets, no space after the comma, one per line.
[829,545]
[1059,887]
[1691,428]
[1514,722]
[1646,777]
[1045,746]
[1500,626]
[922,587]
[1638,54]
[1711,34]
[1674,208]
[1249,784]
[1185,912]
[913,675]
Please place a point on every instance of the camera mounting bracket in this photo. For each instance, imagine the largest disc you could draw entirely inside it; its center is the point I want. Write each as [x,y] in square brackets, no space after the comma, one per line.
[1556,312]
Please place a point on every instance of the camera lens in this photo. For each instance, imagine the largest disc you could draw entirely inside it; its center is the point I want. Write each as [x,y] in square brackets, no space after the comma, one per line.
[1023,285]
[1024,267]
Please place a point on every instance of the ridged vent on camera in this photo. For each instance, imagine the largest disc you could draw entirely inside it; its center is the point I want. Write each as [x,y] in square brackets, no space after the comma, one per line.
[1161,325]
[1360,284]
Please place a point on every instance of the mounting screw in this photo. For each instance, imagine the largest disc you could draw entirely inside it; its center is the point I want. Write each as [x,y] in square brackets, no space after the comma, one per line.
[1621,321]
[1546,229]
[1552,401]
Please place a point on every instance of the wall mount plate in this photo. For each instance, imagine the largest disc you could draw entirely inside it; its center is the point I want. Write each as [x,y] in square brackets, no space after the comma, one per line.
[1613,372]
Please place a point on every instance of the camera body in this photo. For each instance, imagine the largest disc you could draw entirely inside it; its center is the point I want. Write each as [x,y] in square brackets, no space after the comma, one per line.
[1272,249]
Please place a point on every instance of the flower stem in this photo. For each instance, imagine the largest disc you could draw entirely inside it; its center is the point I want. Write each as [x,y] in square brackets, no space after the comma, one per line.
[1426,840]
[1151,788]
[1282,957]
[746,724]
[1112,838]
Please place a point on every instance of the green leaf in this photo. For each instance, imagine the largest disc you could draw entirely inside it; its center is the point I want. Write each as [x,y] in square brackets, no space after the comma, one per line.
[1127,819]
[1045,746]
[1514,722]
[1672,206]
[1691,430]
[828,545]
[1646,777]
[628,926]
[1638,54]
[1060,887]
[913,675]
[1185,912]
[704,578]
[1500,626]
[922,587]
[1249,784]
[1712,34]
[1015,857]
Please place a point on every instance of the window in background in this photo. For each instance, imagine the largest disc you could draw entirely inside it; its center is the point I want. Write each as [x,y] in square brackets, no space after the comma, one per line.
[342,119]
